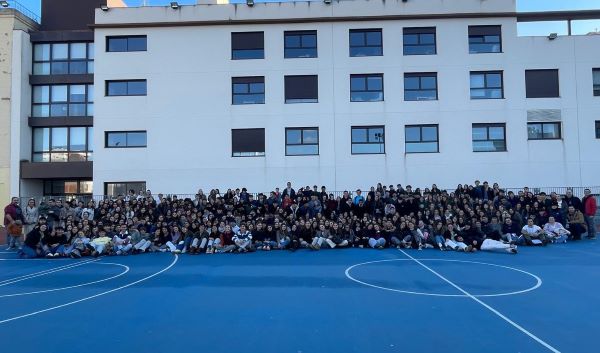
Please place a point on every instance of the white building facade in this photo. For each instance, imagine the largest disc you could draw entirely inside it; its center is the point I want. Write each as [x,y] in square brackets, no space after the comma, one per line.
[338,99]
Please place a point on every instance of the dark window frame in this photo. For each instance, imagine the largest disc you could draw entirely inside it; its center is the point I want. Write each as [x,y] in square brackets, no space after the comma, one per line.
[247,78]
[302,129]
[107,82]
[126,183]
[364,31]
[234,50]
[127,38]
[488,126]
[484,39]
[88,151]
[596,85]
[530,88]
[367,90]
[556,123]
[264,153]
[68,102]
[418,31]
[485,83]
[368,142]
[89,58]
[299,100]
[597,123]
[300,34]
[126,132]
[421,126]
[50,191]
[420,75]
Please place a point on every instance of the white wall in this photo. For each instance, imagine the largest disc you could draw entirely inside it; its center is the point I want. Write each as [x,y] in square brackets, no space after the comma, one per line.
[189,116]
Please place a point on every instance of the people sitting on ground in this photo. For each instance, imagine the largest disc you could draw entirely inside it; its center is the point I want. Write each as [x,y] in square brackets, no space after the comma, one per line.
[555,231]
[575,223]
[533,234]
[54,243]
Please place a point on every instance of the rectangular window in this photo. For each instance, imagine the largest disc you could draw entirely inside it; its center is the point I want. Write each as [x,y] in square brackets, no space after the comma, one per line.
[541,83]
[248,90]
[301,141]
[247,142]
[247,45]
[543,131]
[421,139]
[300,44]
[487,85]
[63,187]
[596,79]
[485,39]
[302,89]
[489,137]
[63,58]
[62,144]
[366,42]
[598,129]
[368,140]
[126,43]
[420,86]
[62,100]
[419,41]
[366,88]
[126,88]
[125,139]
[123,187]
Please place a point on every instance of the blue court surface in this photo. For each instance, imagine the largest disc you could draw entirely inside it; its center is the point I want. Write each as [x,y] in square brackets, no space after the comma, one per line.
[354,300]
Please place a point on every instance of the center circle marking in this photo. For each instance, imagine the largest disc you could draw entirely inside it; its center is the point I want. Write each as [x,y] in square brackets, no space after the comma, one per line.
[536,286]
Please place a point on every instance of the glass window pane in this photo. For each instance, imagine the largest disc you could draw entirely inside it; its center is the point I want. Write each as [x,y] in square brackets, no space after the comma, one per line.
[413,134]
[77,110]
[41,69]
[311,136]
[534,131]
[61,109]
[496,133]
[358,84]
[136,44]
[60,51]
[59,67]
[86,187]
[551,131]
[90,93]
[257,87]
[411,82]
[373,38]
[59,93]
[411,39]
[136,139]
[477,81]
[423,147]
[90,110]
[78,50]
[117,88]
[429,133]
[292,41]
[59,139]
[41,111]
[90,138]
[77,93]
[428,82]
[41,139]
[117,44]
[240,88]
[294,137]
[294,150]
[116,139]
[479,133]
[41,94]
[41,157]
[77,139]
[357,39]
[494,80]
[427,38]
[368,148]
[41,52]
[78,67]
[359,135]
[376,135]
[136,88]
[375,83]
[59,157]
[91,49]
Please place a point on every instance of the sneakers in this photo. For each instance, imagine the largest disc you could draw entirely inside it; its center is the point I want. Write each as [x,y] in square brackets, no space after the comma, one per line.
[49,256]
[420,246]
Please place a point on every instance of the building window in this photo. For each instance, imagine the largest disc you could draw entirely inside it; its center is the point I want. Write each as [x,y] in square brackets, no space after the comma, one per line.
[485,39]
[247,45]
[300,44]
[125,139]
[543,131]
[63,58]
[247,142]
[302,89]
[368,140]
[487,85]
[62,100]
[366,88]
[541,83]
[62,144]
[419,41]
[63,187]
[421,139]
[366,42]
[489,137]
[596,79]
[126,43]
[302,141]
[126,88]
[420,86]
[598,129]
[114,189]
[248,90]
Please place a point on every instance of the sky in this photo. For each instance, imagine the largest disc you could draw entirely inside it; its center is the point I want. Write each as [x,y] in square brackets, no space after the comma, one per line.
[525,29]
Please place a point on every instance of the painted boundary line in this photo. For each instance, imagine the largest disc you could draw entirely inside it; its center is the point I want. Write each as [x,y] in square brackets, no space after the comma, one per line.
[517,326]
[92,296]
[44,272]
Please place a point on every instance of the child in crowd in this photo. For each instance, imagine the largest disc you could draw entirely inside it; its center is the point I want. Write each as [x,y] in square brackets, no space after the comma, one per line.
[15,232]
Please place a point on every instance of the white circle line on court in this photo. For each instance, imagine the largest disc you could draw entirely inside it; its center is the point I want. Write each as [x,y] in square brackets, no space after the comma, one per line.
[74,286]
[44,272]
[536,286]
[91,296]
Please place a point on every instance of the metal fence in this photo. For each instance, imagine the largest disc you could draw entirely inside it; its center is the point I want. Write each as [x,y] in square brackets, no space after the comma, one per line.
[12,4]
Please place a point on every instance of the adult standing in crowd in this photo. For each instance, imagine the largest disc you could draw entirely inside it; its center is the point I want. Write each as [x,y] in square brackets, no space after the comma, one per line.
[13,213]
[589,212]
[31,216]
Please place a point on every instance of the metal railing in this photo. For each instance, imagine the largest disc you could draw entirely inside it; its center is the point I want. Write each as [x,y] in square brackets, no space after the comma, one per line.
[13,4]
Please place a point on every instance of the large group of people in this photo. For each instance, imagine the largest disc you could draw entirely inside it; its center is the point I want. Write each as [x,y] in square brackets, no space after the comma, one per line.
[467,219]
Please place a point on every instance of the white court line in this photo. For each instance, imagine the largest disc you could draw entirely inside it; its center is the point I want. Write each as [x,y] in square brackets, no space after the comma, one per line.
[44,273]
[517,326]
[74,286]
[92,296]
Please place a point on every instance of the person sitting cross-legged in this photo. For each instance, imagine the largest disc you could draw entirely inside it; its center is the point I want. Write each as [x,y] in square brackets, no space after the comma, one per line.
[534,235]
[555,231]
[54,243]
[243,239]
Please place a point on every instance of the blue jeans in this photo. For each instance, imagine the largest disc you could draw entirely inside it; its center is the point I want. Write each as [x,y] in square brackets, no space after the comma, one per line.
[27,252]
[591,231]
